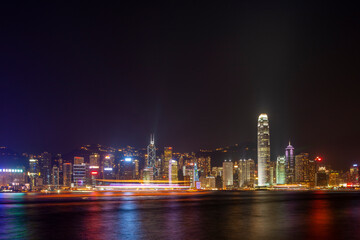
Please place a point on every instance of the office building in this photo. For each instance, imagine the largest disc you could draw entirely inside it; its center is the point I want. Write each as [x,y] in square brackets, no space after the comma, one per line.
[263,150]
[173,171]
[290,164]
[228,174]
[45,167]
[167,158]
[280,170]
[55,180]
[246,172]
[67,174]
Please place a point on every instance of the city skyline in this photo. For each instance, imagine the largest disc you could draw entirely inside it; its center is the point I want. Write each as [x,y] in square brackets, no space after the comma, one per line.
[193,79]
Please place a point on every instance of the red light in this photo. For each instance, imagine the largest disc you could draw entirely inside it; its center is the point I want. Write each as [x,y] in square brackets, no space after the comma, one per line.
[319,159]
[94,173]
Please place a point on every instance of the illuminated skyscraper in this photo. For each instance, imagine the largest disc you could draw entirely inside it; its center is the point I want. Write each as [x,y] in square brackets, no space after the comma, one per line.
[228,174]
[67,173]
[290,164]
[55,176]
[167,158]
[173,170]
[263,150]
[45,167]
[280,170]
[246,172]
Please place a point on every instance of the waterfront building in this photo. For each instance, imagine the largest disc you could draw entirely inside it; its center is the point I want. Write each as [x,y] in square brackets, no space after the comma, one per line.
[301,167]
[280,170]
[207,182]
[165,165]
[55,180]
[228,174]
[12,178]
[189,173]
[34,171]
[321,177]
[127,168]
[45,167]
[148,174]
[151,156]
[354,174]
[67,174]
[81,174]
[246,172]
[290,164]
[263,150]
[335,179]
[108,169]
[173,171]
[204,165]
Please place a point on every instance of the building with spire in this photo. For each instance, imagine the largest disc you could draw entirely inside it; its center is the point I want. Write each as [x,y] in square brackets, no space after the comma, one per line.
[151,159]
[263,149]
[290,164]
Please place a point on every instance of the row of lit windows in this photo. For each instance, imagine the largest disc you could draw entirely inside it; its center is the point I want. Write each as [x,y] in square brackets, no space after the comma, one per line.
[11,170]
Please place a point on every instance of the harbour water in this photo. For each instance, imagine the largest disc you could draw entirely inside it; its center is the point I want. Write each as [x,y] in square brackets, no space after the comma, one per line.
[211,215]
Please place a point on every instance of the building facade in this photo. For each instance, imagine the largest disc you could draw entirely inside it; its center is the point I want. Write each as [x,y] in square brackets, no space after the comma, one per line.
[280,170]
[263,144]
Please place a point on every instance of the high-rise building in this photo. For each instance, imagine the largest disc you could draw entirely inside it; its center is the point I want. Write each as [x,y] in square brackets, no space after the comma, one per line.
[67,173]
[173,171]
[34,171]
[263,150]
[354,174]
[204,165]
[127,168]
[280,170]
[228,174]
[81,174]
[94,159]
[151,154]
[290,164]
[45,167]
[55,176]
[167,158]
[109,167]
[301,167]
[246,171]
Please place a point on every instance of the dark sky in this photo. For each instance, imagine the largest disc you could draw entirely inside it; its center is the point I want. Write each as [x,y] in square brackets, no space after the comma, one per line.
[197,74]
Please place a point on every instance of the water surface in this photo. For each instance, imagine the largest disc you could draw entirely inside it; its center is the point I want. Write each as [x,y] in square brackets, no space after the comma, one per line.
[215,215]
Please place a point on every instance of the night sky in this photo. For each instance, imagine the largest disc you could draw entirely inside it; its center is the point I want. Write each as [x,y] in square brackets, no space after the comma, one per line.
[197,74]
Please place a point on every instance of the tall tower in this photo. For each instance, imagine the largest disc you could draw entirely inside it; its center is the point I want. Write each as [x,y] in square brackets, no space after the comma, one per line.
[263,150]
[290,164]
[151,155]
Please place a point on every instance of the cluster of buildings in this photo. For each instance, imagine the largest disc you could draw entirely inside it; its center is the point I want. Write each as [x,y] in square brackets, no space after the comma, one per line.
[95,166]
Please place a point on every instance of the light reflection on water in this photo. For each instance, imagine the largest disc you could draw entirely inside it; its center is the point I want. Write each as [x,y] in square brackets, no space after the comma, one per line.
[219,215]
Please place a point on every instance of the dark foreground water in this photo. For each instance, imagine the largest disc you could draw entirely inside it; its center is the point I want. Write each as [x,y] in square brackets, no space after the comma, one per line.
[218,215]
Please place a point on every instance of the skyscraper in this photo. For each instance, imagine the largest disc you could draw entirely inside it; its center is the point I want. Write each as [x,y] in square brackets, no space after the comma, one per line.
[173,171]
[67,173]
[280,170]
[228,174]
[290,164]
[167,158]
[246,172]
[263,150]
[45,167]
